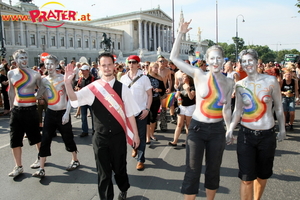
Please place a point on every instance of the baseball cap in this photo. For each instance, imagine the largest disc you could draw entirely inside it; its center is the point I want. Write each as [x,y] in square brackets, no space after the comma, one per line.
[85,67]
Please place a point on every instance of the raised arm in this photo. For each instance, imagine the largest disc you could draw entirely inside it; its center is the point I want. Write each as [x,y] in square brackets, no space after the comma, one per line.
[174,56]
[69,74]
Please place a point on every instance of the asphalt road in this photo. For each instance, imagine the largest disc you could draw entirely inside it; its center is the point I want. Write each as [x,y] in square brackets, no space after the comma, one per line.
[160,180]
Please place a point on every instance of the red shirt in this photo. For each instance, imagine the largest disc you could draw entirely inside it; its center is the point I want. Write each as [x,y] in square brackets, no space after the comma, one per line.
[242,74]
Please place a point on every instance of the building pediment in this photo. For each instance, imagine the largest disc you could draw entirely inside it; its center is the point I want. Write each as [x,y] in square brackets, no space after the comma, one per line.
[7,8]
[157,13]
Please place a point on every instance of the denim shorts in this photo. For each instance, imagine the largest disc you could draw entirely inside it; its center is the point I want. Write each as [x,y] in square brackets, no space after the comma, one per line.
[288,104]
[255,151]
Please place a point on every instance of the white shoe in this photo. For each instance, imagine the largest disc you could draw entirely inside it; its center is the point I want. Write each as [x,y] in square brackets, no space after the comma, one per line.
[16,171]
[36,164]
[40,173]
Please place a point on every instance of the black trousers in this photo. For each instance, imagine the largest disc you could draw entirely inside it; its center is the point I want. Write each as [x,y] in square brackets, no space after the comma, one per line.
[52,122]
[110,154]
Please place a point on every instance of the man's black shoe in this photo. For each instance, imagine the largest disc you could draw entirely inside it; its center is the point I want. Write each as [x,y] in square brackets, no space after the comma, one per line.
[83,134]
[122,195]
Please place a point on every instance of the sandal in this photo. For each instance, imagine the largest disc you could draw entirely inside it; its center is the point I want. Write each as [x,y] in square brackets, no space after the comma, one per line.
[73,165]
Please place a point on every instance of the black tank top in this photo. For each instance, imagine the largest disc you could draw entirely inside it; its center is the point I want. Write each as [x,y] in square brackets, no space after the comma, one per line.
[288,87]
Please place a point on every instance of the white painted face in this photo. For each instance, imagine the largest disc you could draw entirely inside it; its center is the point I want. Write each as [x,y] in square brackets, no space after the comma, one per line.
[50,66]
[215,61]
[249,64]
[22,60]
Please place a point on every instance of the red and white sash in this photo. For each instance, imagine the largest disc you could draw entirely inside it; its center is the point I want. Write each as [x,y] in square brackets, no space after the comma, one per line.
[114,104]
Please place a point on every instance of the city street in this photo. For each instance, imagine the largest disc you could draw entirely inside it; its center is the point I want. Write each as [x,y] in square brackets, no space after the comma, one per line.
[161,179]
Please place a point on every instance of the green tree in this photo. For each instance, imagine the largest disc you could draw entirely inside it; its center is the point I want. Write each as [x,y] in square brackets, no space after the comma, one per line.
[239,42]
[229,50]
[281,54]
[264,52]
[298,5]
[210,42]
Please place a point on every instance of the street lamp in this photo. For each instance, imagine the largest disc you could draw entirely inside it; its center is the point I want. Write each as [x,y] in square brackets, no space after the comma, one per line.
[217,31]
[2,48]
[236,36]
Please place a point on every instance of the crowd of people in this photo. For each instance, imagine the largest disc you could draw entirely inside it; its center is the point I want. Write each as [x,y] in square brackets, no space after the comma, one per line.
[129,101]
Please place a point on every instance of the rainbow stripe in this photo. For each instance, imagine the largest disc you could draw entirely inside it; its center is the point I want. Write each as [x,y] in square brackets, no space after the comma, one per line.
[20,85]
[197,54]
[53,96]
[170,99]
[257,108]
[210,105]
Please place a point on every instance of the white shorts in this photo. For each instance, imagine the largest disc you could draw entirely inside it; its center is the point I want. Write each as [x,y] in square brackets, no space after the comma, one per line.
[187,110]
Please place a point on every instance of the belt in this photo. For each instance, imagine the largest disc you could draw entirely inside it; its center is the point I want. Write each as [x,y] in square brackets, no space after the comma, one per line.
[257,132]
[56,111]
[25,108]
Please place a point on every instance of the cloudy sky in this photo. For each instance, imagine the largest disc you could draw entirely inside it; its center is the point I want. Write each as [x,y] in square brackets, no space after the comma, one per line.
[275,23]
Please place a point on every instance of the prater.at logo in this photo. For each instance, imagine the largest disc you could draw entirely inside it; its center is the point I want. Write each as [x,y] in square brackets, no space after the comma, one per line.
[59,15]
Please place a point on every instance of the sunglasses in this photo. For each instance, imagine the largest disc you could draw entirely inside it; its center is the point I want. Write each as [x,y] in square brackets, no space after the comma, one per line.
[132,62]
[146,65]
[161,61]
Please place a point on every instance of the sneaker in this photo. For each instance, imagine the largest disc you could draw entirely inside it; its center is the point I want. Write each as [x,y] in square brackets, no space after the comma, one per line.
[16,171]
[36,164]
[40,173]
[122,195]
[73,165]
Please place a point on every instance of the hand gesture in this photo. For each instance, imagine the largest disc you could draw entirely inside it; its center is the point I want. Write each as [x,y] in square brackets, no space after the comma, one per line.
[69,73]
[184,27]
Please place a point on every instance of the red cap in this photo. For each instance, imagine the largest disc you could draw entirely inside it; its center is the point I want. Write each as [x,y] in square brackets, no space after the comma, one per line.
[134,57]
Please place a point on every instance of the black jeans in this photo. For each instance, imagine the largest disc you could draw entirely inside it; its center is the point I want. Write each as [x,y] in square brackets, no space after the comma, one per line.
[211,138]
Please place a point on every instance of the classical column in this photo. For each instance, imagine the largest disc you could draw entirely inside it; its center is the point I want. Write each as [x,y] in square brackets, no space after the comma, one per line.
[150,37]
[140,34]
[97,41]
[158,35]
[145,35]
[74,39]
[163,38]
[48,38]
[154,37]
[90,42]
[21,33]
[67,38]
[57,38]
[27,38]
[170,39]
[37,36]
[12,28]
[82,40]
